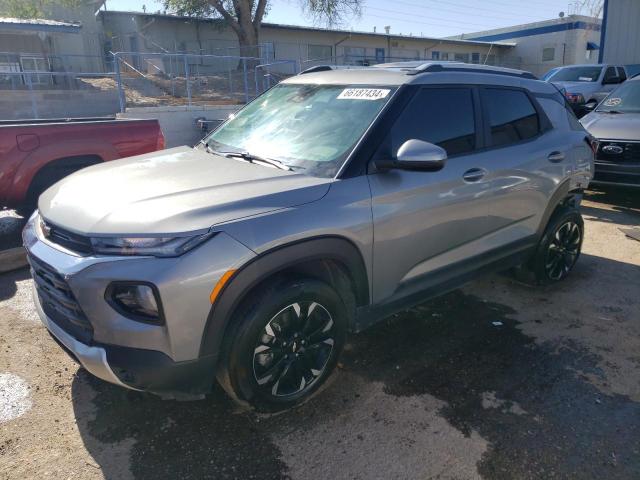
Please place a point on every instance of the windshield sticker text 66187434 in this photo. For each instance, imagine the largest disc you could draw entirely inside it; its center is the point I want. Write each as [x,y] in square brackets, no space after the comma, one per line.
[363,93]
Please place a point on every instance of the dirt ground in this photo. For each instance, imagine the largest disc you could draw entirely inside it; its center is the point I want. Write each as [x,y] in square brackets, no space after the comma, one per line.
[495,380]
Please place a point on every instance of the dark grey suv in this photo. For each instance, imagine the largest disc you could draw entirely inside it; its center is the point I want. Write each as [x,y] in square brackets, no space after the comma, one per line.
[329,202]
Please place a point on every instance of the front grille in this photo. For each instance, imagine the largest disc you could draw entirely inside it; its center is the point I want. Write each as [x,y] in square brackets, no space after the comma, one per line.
[619,152]
[58,301]
[71,241]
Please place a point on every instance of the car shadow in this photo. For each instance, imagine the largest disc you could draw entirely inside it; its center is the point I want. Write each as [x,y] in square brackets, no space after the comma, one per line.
[532,402]
[8,287]
[623,198]
[619,206]
[11,225]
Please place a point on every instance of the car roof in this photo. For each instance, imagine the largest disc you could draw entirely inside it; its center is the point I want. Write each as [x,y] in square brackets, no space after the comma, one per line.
[420,73]
[589,65]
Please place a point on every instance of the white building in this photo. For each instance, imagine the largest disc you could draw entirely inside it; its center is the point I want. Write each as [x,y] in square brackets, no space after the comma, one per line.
[308,46]
[541,46]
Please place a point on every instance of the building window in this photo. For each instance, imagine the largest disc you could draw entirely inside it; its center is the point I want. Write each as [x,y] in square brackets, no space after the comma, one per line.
[475,58]
[36,64]
[319,52]
[268,51]
[548,54]
[435,55]
[444,56]
[355,55]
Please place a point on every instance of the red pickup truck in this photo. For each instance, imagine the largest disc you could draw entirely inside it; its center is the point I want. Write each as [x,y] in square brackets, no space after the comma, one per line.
[35,154]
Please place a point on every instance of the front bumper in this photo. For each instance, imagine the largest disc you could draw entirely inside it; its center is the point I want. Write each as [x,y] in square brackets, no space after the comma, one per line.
[620,174]
[161,358]
[93,359]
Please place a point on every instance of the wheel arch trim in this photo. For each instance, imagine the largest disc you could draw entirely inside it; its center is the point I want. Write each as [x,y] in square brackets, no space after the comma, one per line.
[269,263]
[561,196]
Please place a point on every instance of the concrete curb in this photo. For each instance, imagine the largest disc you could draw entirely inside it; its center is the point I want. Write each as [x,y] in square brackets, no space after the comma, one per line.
[13,259]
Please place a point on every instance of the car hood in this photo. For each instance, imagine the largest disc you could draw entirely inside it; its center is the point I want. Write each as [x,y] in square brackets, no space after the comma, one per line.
[624,126]
[578,87]
[172,191]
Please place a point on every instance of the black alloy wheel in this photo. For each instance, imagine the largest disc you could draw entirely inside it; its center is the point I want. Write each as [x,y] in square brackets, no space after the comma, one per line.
[563,250]
[293,349]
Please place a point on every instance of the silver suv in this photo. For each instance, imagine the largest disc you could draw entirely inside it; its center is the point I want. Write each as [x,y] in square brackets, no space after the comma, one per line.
[326,204]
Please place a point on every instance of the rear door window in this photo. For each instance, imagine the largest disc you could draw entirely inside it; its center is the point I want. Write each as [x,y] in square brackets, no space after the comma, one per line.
[511,116]
[610,74]
[443,116]
[622,74]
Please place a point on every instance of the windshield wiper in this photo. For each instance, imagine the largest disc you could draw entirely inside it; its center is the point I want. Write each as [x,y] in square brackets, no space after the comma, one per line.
[251,158]
[614,112]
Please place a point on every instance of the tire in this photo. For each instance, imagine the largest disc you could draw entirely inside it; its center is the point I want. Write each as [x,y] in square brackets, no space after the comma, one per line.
[559,248]
[285,343]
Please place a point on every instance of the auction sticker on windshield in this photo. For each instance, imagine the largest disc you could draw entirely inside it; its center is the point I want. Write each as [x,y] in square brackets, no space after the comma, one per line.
[613,102]
[363,93]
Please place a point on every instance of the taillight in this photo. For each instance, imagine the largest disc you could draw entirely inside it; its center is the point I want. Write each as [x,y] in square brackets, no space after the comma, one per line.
[160,143]
[574,97]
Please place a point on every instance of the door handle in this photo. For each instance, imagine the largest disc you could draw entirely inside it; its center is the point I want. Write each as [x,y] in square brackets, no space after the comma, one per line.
[473,174]
[555,157]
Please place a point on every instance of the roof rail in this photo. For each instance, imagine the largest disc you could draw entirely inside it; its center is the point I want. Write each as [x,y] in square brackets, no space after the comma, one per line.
[471,68]
[317,68]
[326,68]
[416,67]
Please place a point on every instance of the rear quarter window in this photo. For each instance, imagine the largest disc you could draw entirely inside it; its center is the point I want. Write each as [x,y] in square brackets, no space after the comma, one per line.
[511,115]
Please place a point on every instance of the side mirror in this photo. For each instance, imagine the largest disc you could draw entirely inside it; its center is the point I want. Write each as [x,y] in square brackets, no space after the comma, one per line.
[416,155]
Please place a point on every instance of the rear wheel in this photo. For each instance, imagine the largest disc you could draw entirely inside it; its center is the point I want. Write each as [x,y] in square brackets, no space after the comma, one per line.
[285,345]
[559,248]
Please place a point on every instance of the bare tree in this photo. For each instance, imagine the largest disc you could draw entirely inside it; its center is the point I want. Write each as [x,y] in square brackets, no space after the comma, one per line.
[245,17]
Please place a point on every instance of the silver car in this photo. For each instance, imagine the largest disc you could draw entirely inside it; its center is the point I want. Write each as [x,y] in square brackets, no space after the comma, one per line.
[586,84]
[615,124]
[326,204]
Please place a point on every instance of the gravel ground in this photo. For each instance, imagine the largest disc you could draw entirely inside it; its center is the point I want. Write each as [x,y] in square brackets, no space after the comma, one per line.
[495,380]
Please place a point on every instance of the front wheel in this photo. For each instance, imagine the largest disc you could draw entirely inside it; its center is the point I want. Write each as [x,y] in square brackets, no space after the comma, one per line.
[559,247]
[284,344]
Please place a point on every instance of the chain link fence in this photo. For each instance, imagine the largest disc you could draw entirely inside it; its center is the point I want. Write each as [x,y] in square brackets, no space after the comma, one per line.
[59,86]
[62,86]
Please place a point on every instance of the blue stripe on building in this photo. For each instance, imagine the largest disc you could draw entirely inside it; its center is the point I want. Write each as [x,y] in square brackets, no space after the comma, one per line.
[560,27]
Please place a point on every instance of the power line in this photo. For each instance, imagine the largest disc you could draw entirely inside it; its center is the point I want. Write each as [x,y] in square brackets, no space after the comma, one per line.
[506,16]
[465,6]
[413,15]
[422,23]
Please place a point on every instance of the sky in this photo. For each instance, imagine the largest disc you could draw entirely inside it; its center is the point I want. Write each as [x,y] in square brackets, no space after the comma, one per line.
[431,18]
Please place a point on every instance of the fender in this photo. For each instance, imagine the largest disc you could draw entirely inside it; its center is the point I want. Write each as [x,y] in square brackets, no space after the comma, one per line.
[48,153]
[270,263]
[558,197]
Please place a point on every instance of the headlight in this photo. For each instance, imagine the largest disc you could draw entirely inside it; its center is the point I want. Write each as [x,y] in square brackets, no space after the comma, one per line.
[153,246]
[29,237]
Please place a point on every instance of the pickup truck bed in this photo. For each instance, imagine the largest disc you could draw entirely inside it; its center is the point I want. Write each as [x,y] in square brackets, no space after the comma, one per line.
[35,154]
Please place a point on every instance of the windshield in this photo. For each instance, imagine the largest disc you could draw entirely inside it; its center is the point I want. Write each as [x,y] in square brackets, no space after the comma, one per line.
[549,74]
[310,127]
[625,98]
[577,74]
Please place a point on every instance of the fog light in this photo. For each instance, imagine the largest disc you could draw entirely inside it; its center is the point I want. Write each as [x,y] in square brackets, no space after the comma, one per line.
[136,301]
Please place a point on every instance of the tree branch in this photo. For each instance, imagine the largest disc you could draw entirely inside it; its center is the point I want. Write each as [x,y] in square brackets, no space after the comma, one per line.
[217,4]
[257,19]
